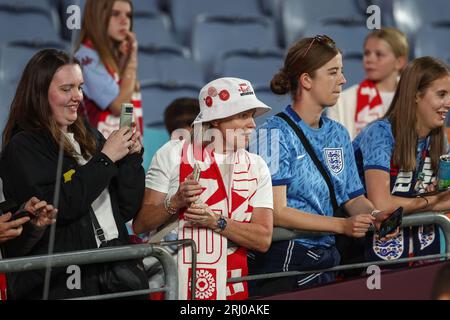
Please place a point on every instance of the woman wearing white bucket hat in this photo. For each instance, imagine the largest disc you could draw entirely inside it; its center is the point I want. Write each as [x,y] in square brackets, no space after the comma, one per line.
[231,197]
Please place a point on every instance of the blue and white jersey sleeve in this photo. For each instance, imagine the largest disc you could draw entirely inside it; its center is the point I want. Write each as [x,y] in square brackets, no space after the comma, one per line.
[99,85]
[354,187]
[274,149]
[375,146]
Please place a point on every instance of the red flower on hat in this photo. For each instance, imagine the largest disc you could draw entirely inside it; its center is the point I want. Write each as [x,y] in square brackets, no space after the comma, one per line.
[224,95]
[208,101]
[212,92]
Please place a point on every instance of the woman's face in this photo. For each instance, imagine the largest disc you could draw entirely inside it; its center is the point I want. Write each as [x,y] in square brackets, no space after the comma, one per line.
[236,130]
[65,95]
[380,61]
[120,21]
[327,83]
[433,104]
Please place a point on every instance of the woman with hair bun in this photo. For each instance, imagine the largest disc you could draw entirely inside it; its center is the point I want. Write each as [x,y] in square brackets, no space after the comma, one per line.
[312,74]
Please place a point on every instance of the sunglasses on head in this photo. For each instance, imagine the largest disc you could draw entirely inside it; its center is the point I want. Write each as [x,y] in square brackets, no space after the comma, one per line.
[323,39]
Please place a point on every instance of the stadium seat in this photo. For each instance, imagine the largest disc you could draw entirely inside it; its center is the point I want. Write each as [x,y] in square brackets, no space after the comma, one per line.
[276,102]
[411,15]
[297,15]
[257,67]
[433,41]
[153,30]
[145,7]
[28,25]
[14,57]
[157,96]
[168,66]
[215,36]
[353,70]
[348,38]
[184,12]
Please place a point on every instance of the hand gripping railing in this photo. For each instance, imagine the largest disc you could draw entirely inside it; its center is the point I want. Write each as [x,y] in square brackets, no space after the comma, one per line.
[99,256]
[416,219]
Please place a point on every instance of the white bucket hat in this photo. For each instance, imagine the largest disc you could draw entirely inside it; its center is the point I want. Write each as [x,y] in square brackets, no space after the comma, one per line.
[225,97]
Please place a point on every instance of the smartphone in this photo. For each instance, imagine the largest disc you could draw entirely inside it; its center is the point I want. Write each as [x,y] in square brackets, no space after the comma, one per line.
[22,213]
[8,206]
[12,206]
[126,115]
[392,223]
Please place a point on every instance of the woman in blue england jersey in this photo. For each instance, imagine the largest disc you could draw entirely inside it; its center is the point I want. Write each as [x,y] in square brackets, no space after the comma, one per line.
[312,74]
[398,157]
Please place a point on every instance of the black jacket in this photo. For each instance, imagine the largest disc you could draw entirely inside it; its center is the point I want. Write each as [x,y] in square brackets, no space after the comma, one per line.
[28,167]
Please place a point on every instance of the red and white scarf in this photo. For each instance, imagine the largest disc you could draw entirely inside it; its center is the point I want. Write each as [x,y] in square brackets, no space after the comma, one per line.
[216,263]
[104,120]
[369,106]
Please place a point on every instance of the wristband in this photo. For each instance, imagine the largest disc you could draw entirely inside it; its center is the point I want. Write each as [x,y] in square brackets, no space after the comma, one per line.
[167,205]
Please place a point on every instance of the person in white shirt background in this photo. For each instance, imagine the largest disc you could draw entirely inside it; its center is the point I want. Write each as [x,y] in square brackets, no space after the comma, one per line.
[385,56]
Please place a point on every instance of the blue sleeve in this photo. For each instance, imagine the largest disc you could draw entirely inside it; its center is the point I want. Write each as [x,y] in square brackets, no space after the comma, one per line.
[99,85]
[376,147]
[354,187]
[274,149]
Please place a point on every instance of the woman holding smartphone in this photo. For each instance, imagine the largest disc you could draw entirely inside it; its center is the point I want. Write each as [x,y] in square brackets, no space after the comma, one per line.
[107,50]
[398,157]
[100,180]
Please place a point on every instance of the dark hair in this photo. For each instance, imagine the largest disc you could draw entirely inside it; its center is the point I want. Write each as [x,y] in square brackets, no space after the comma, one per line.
[30,108]
[402,113]
[180,113]
[304,56]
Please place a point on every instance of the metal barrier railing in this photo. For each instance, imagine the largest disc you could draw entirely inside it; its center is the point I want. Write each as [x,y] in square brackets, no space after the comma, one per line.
[169,264]
[417,219]
[100,256]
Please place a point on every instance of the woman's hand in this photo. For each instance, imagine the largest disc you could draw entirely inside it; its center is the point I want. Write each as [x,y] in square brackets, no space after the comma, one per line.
[11,229]
[136,146]
[118,144]
[45,213]
[188,192]
[357,226]
[199,214]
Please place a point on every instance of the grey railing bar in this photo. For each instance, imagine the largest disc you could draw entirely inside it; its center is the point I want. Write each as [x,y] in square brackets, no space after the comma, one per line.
[445,256]
[99,256]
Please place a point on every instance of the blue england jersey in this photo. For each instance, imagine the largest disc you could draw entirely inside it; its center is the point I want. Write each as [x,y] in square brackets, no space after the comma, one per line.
[290,165]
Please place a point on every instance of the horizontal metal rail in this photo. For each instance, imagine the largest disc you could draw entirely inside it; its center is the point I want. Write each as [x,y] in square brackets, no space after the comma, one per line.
[101,255]
[416,219]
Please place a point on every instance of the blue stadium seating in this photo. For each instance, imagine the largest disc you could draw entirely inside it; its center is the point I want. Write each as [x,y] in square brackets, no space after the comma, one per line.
[184,12]
[14,57]
[153,30]
[215,36]
[411,15]
[433,41]
[353,70]
[168,66]
[157,96]
[257,67]
[348,38]
[297,15]
[28,25]
[146,7]
[276,102]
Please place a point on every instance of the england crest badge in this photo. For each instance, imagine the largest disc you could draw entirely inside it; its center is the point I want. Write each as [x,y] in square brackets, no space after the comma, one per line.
[335,159]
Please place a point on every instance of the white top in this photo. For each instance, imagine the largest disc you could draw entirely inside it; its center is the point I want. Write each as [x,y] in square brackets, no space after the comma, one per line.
[163,174]
[102,205]
[345,108]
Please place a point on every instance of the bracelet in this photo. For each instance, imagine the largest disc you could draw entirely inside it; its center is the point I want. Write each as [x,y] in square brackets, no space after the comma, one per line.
[167,205]
[426,200]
